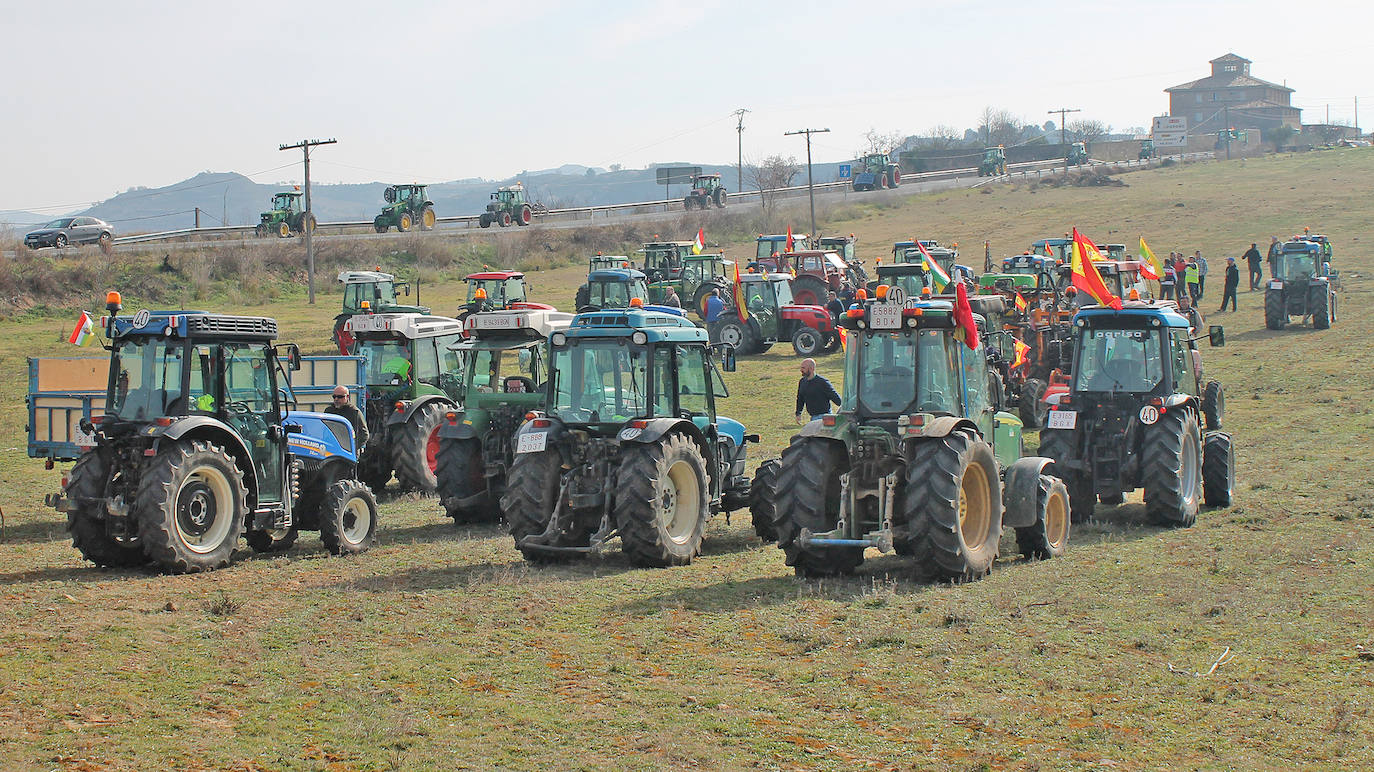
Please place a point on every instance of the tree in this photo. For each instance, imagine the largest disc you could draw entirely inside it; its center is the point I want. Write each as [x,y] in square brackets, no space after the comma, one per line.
[1280,136]
[877,142]
[942,137]
[1088,130]
[998,127]
[769,174]
[1049,126]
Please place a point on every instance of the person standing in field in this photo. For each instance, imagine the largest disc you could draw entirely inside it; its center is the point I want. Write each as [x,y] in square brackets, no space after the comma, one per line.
[1274,248]
[1232,284]
[1252,262]
[1194,281]
[814,392]
[1201,271]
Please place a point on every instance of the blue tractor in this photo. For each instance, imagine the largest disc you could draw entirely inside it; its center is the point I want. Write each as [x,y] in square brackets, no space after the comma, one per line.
[629,443]
[199,443]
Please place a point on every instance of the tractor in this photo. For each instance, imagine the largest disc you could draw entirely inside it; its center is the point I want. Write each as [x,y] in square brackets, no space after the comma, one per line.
[1147,150]
[876,171]
[629,444]
[1138,414]
[707,189]
[694,279]
[920,459]
[1059,249]
[815,274]
[286,217]
[1078,154]
[1301,286]
[1041,326]
[769,246]
[200,442]
[662,259]
[412,380]
[509,205]
[994,163]
[772,316]
[612,288]
[406,206]
[502,366]
[370,292]
[946,257]
[496,290]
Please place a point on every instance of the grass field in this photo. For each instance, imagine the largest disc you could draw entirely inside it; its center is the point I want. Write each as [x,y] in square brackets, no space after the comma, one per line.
[440,648]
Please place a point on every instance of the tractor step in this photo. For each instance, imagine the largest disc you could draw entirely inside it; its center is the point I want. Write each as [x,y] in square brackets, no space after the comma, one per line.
[528,544]
[880,539]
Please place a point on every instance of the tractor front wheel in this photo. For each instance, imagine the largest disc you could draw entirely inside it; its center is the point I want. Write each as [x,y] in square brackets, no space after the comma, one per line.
[952,507]
[506,219]
[380,228]
[1172,469]
[191,505]
[735,334]
[809,491]
[283,230]
[484,220]
[1049,537]
[405,222]
[662,506]
[84,493]
[1213,405]
[427,219]
[460,478]
[415,451]
[1032,406]
[348,518]
[1218,470]
[763,508]
[807,342]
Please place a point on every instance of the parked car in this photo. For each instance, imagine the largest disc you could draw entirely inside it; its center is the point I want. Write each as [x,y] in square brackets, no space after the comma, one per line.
[70,230]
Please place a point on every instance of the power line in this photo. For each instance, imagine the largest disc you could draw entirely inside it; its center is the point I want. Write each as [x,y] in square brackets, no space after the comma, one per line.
[307,217]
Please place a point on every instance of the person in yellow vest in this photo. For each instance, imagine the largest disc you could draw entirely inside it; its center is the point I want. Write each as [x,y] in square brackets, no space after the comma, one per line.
[1194,279]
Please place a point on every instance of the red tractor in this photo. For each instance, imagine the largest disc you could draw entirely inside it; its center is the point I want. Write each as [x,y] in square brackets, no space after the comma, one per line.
[773,317]
[814,273]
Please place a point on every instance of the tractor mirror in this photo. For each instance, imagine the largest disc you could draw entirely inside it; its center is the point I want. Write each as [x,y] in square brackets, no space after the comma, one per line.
[293,356]
[727,359]
[1216,335]
[407,289]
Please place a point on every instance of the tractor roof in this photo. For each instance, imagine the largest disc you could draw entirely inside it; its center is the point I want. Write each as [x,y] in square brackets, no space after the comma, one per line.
[196,324]
[494,275]
[652,244]
[1134,312]
[659,323]
[851,238]
[782,237]
[408,326]
[713,174]
[927,243]
[1116,266]
[364,277]
[900,269]
[754,276]
[1302,245]
[294,193]
[537,323]
[1051,242]
[1317,237]
[615,275]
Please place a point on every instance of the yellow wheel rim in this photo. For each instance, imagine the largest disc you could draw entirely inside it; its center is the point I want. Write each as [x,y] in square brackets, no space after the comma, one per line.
[975,508]
[1056,521]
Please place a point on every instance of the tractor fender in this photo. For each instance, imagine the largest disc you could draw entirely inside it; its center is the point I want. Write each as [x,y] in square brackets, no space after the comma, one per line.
[657,427]
[457,430]
[815,317]
[204,427]
[942,426]
[840,432]
[398,417]
[319,436]
[1021,491]
[1174,400]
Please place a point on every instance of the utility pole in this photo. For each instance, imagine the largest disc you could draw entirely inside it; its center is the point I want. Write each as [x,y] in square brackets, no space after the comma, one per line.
[1063,134]
[1357,117]
[810,185]
[307,219]
[197,217]
[739,129]
[1227,111]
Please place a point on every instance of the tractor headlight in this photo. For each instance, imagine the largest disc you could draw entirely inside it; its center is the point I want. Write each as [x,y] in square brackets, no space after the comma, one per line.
[558,339]
[639,338]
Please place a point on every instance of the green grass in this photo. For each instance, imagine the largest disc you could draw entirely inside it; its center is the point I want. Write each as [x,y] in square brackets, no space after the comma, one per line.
[440,648]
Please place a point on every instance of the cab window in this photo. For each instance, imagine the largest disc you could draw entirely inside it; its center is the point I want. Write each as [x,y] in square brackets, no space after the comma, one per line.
[692,388]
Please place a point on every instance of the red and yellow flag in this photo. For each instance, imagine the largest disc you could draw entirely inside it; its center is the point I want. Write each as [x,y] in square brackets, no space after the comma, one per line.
[1022,350]
[1085,275]
[1021,303]
[844,337]
[965,328]
[739,297]
[788,248]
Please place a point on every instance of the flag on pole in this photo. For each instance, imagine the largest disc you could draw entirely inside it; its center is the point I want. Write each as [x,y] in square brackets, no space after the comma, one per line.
[1021,303]
[788,248]
[82,334]
[1021,351]
[1156,268]
[1085,275]
[844,337]
[937,274]
[740,309]
[965,328]
[700,243]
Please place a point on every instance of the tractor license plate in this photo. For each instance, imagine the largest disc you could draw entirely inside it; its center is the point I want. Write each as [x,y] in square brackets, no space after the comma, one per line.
[83,439]
[1275,285]
[495,321]
[885,316]
[533,442]
[1062,419]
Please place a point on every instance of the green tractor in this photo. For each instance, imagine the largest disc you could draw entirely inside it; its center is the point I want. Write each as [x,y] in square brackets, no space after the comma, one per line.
[630,443]
[286,217]
[1078,153]
[509,205]
[406,205]
[370,292]
[920,460]
[1301,286]
[1147,150]
[412,380]
[502,367]
[707,189]
[994,163]
[692,277]
[876,171]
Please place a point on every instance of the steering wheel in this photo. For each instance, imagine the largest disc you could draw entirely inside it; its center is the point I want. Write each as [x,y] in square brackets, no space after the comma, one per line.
[237,408]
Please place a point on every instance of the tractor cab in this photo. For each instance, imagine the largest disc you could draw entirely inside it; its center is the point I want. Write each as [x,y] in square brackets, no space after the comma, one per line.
[663,259]
[492,290]
[768,246]
[1317,238]
[1298,261]
[400,194]
[840,245]
[1059,249]
[506,197]
[946,257]
[1030,265]
[286,202]
[614,288]
[370,292]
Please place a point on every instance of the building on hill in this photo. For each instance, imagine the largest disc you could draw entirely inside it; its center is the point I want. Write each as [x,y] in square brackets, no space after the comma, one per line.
[1233,98]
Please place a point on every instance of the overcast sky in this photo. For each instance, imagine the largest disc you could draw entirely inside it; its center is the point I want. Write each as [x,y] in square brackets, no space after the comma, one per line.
[104,96]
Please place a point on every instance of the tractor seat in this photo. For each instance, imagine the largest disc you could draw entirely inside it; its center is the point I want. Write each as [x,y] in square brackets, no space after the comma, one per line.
[1123,371]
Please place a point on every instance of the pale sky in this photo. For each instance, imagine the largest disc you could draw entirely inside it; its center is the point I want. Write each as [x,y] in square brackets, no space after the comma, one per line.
[103,96]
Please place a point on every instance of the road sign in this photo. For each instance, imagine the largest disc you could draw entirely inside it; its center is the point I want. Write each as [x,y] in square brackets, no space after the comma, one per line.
[846,171]
[677,175]
[1170,131]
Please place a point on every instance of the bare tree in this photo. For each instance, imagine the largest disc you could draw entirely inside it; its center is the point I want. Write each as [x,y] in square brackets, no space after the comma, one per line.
[1088,130]
[771,173]
[998,127]
[942,137]
[878,142]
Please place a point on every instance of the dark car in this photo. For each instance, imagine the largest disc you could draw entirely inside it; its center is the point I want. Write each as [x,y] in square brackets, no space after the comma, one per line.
[70,230]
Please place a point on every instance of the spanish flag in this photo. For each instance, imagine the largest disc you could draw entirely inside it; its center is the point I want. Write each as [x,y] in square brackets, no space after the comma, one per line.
[1021,350]
[1021,303]
[1150,267]
[739,297]
[1085,276]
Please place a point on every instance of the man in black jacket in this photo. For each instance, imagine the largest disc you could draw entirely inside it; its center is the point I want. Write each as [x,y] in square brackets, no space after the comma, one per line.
[814,392]
[1252,261]
[342,407]
[1232,284]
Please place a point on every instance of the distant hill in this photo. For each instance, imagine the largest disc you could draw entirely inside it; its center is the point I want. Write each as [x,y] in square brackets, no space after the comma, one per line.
[233,199]
[16,218]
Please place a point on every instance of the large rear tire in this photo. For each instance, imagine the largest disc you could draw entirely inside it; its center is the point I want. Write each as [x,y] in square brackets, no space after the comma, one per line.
[525,216]
[415,450]
[1172,469]
[1320,308]
[809,497]
[1218,470]
[663,502]
[952,507]
[1058,445]
[1049,537]
[1213,405]
[1031,406]
[809,291]
[85,488]
[460,477]
[699,299]
[348,518]
[531,495]
[1275,311]
[763,506]
[191,506]
[719,198]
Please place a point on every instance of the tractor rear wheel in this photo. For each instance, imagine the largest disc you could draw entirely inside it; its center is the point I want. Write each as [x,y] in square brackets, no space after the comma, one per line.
[807,342]
[1057,445]
[662,506]
[283,229]
[1031,405]
[531,495]
[191,505]
[688,202]
[1218,470]
[415,451]
[308,223]
[427,219]
[1172,469]
[763,492]
[460,477]
[1049,537]
[525,216]
[1213,405]
[484,220]
[506,219]
[348,518]
[894,177]
[809,291]
[952,507]
[84,491]
[809,497]
[699,299]
[719,198]
[1319,307]
[405,222]
[1275,310]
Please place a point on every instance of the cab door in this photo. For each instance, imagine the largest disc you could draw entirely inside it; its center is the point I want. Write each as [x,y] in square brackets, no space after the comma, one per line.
[249,405]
